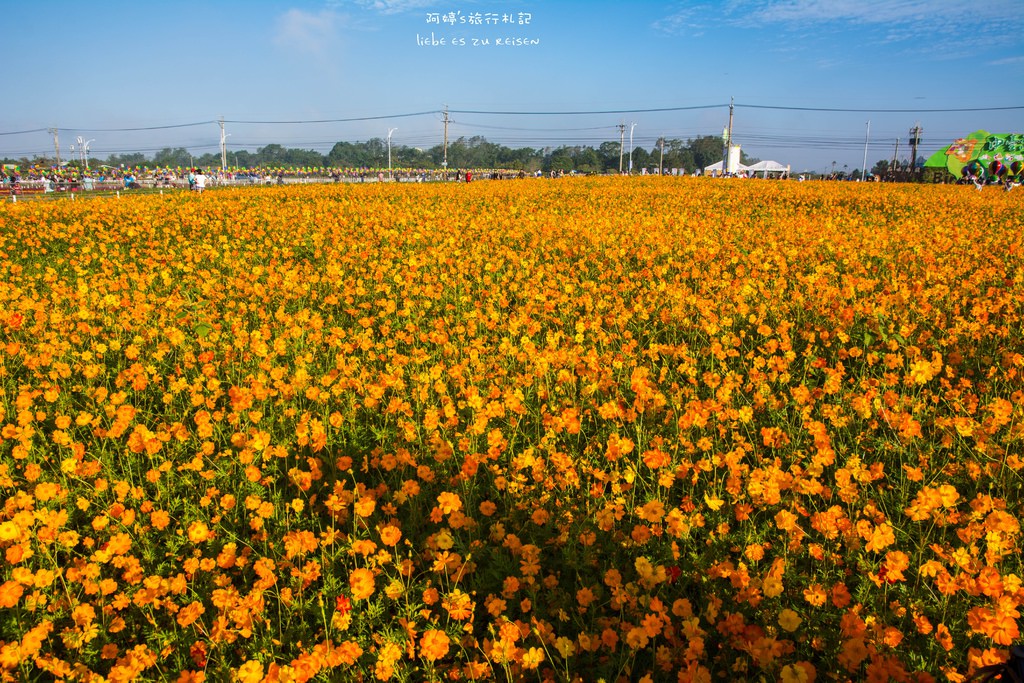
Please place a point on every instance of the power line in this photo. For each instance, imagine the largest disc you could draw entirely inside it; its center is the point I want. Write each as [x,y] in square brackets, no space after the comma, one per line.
[753,137]
[23,132]
[526,113]
[355,118]
[546,130]
[879,111]
[127,130]
[584,113]
[521,113]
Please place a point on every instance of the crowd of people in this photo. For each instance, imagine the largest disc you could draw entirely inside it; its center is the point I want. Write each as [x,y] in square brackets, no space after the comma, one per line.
[107,177]
[72,179]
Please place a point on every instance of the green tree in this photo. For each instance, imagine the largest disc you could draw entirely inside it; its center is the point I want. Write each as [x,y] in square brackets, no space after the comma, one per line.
[127,160]
[588,160]
[242,159]
[347,154]
[678,155]
[706,150]
[410,157]
[559,159]
[522,159]
[173,157]
[641,160]
[609,154]
[294,157]
[271,155]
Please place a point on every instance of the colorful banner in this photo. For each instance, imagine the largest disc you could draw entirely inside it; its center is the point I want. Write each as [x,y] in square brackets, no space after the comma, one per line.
[981,147]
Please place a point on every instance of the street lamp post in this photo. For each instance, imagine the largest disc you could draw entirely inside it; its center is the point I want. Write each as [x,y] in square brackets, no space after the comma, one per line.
[390,174]
[85,150]
[224,149]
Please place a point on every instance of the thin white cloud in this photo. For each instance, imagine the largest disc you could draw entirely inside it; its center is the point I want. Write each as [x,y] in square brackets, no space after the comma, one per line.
[924,22]
[927,12]
[678,22]
[395,6]
[688,19]
[1008,61]
[307,31]
[922,25]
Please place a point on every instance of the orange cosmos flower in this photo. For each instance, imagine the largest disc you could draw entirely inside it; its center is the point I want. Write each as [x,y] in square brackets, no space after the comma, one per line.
[533,658]
[190,613]
[348,652]
[365,506]
[921,372]
[10,593]
[434,645]
[881,537]
[815,594]
[362,583]
[390,535]
[198,532]
[944,637]
[459,605]
[449,502]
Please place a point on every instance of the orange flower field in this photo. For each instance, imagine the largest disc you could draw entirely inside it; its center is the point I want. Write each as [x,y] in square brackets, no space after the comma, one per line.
[627,429]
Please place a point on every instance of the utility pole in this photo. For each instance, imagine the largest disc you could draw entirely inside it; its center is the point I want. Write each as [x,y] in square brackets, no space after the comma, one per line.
[895,157]
[622,141]
[56,145]
[727,142]
[864,171]
[661,160]
[223,146]
[915,139]
[444,163]
[631,148]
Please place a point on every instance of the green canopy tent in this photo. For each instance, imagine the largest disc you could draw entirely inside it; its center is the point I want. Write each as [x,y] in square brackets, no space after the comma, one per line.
[980,146]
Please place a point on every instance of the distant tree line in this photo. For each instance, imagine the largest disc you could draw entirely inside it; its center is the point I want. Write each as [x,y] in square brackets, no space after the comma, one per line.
[473,152]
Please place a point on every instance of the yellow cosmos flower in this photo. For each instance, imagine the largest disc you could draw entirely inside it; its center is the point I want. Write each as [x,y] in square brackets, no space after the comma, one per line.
[789,620]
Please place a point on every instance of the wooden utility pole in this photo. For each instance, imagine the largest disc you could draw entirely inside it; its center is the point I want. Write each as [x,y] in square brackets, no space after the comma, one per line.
[622,141]
[444,163]
[56,145]
[915,140]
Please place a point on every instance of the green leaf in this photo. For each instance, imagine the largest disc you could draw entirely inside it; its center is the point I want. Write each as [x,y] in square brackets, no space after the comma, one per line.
[203,329]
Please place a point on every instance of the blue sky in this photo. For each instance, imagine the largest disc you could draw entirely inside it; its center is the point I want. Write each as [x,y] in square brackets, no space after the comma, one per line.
[90,69]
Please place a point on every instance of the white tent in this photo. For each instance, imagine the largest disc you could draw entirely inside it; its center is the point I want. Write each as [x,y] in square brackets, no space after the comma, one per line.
[767,167]
[716,168]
